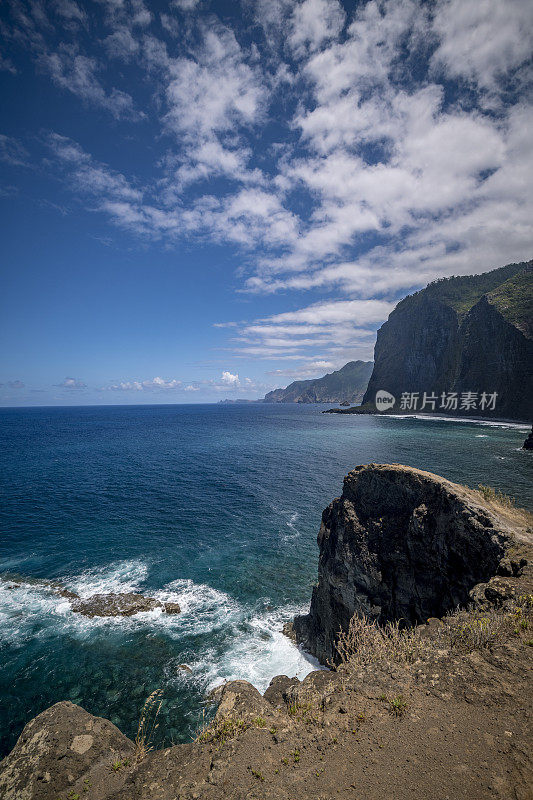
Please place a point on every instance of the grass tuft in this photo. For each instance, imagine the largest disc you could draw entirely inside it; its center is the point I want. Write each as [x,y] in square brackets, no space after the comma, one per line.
[148,725]
[365,643]
[495,496]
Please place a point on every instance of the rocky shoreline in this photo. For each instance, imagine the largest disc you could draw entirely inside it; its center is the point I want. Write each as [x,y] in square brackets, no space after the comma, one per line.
[442,708]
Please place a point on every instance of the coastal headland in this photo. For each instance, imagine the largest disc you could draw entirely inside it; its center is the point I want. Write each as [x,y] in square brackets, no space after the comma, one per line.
[423,616]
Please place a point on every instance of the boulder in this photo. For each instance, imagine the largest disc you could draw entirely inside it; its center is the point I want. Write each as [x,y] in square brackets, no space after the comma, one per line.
[528,444]
[172,608]
[399,544]
[62,753]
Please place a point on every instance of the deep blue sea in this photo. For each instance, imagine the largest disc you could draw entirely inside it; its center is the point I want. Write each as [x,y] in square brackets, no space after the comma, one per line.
[215,506]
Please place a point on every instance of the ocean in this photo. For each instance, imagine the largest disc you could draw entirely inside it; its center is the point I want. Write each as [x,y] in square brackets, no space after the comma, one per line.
[214,506]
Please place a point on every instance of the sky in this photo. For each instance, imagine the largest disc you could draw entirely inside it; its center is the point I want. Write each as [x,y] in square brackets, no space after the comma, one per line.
[204,200]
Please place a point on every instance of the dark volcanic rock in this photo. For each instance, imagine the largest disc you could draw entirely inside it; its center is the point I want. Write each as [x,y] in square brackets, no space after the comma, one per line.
[172,608]
[120,605]
[400,544]
[528,444]
[463,334]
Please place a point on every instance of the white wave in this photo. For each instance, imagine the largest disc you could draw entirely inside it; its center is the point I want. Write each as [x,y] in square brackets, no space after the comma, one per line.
[292,521]
[126,576]
[293,531]
[521,426]
[247,645]
[255,652]
[203,609]
[23,611]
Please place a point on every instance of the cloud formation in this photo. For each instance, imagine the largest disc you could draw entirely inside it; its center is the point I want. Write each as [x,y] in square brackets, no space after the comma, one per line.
[349,155]
[71,384]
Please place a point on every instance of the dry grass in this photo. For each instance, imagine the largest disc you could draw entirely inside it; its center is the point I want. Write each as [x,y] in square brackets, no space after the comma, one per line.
[148,725]
[466,631]
[495,496]
[504,506]
[220,730]
[365,642]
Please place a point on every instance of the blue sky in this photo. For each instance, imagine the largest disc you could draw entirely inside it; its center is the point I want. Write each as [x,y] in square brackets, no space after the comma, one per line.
[204,200]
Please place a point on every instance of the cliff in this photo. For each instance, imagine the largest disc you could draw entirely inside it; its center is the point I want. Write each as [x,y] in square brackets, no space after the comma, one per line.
[439,710]
[344,385]
[399,544]
[463,334]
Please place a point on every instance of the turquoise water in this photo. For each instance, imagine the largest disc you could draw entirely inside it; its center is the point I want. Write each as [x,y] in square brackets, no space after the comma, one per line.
[217,507]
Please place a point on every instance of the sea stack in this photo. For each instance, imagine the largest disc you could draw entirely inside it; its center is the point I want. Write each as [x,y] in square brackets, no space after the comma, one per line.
[399,544]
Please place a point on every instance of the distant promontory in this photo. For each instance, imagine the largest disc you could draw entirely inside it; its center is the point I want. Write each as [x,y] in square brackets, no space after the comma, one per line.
[346,385]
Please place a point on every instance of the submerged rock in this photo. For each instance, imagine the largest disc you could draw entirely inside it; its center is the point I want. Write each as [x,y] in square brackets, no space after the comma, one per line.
[399,544]
[172,608]
[120,605]
[16,581]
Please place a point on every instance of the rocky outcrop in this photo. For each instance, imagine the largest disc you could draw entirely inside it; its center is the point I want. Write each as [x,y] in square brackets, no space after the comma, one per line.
[113,604]
[465,334]
[347,385]
[528,444]
[63,753]
[124,604]
[399,544]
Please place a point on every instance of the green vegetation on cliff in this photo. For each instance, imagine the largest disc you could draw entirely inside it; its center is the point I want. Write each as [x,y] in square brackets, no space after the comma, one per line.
[463,292]
[469,334]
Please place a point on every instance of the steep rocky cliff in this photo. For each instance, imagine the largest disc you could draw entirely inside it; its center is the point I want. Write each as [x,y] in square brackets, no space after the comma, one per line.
[344,385]
[399,544]
[465,334]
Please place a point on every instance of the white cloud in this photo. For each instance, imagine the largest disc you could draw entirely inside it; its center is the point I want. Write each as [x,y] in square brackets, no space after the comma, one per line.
[13,152]
[109,189]
[359,312]
[483,41]
[132,13]
[161,383]
[121,44]
[153,384]
[185,5]
[77,74]
[6,65]
[313,369]
[313,22]
[229,379]
[72,384]
[215,89]
[70,11]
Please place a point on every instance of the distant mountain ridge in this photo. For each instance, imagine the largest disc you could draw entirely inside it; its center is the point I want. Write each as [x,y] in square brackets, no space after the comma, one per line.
[462,334]
[345,385]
